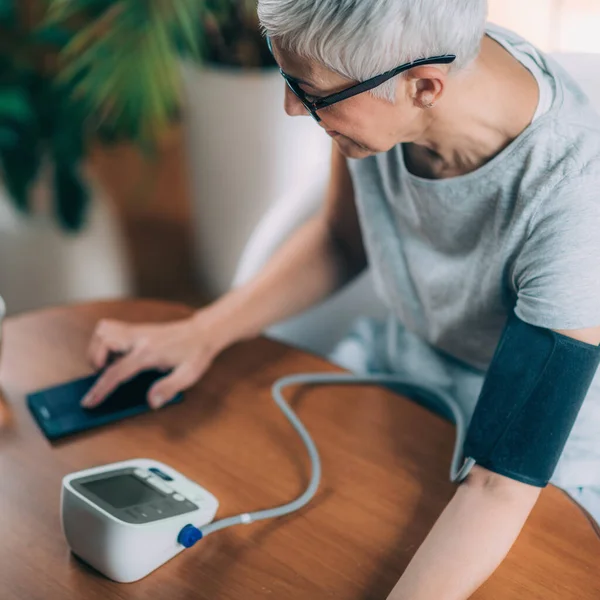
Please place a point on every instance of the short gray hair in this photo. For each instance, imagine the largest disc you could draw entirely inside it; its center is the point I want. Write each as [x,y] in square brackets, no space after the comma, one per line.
[359,39]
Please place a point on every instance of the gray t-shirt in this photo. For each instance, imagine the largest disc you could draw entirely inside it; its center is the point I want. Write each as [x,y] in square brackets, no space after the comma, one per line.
[452,257]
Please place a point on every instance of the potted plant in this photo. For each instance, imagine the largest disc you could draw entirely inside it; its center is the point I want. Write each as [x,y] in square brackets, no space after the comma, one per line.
[245,153]
[73,72]
[76,71]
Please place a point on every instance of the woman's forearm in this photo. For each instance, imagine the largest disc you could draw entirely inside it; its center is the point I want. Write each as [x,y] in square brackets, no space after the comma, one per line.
[469,540]
[305,271]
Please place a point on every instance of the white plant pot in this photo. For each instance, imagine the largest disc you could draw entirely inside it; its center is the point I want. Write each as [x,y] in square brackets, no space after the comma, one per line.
[42,265]
[245,154]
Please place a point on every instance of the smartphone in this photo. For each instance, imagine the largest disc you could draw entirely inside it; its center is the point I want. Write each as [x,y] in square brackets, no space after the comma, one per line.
[58,413]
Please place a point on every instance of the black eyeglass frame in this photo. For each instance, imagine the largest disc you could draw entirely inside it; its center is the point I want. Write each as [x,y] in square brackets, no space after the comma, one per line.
[358,88]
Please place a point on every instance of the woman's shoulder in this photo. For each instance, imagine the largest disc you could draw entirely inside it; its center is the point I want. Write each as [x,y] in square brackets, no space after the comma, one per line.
[573,78]
[564,143]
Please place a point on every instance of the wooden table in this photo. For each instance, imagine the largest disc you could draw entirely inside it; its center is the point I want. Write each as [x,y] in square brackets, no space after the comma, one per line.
[385,463]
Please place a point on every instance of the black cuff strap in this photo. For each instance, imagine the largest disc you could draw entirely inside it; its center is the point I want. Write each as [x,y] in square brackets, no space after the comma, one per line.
[533,391]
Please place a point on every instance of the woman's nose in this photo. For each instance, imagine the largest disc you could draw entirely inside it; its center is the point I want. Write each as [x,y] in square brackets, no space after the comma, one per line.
[293,106]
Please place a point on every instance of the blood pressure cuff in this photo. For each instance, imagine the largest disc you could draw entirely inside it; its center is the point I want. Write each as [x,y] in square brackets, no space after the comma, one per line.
[533,391]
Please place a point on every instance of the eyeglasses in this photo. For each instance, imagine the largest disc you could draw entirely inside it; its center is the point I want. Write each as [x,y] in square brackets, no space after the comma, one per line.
[312,106]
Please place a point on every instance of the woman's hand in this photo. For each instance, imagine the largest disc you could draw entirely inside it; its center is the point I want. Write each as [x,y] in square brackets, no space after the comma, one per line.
[185,347]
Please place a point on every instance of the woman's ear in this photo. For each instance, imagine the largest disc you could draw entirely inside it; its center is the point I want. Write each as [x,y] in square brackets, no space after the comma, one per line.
[426,86]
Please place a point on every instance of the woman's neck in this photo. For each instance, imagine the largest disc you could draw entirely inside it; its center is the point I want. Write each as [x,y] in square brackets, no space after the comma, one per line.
[481,112]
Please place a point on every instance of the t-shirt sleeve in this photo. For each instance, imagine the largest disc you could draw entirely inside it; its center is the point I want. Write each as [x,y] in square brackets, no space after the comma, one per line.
[556,275]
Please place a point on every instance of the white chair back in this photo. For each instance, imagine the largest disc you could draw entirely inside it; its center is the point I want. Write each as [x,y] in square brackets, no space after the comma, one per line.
[585,70]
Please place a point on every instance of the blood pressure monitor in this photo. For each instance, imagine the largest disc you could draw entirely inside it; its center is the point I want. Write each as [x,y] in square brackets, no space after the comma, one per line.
[126,519]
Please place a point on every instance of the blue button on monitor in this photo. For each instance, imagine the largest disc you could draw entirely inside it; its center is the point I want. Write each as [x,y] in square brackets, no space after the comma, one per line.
[189,535]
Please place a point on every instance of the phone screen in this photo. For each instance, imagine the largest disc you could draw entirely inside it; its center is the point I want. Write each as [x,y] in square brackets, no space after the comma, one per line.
[58,412]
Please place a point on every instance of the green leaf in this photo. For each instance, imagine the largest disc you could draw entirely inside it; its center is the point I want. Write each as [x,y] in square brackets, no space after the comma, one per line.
[83,41]
[67,143]
[99,103]
[8,137]
[61,10]
[20,168]
[7,12]
[14,105]
[128,78]
[71,197]
[186,31]
[53,35]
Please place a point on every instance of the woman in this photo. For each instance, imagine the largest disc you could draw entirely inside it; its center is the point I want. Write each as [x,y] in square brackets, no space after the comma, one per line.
[468,181]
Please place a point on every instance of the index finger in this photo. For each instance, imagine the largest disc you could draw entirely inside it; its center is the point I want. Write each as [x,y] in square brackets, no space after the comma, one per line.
[118,373]
[109,337]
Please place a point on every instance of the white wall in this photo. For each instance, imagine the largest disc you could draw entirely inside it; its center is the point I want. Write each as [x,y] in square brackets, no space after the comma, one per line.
[553,25]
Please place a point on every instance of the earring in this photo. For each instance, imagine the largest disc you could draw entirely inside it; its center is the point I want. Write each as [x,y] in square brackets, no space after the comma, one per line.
[430,105]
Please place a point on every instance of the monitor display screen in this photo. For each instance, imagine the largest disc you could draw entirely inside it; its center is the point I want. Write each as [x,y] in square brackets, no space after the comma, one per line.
[122,491]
